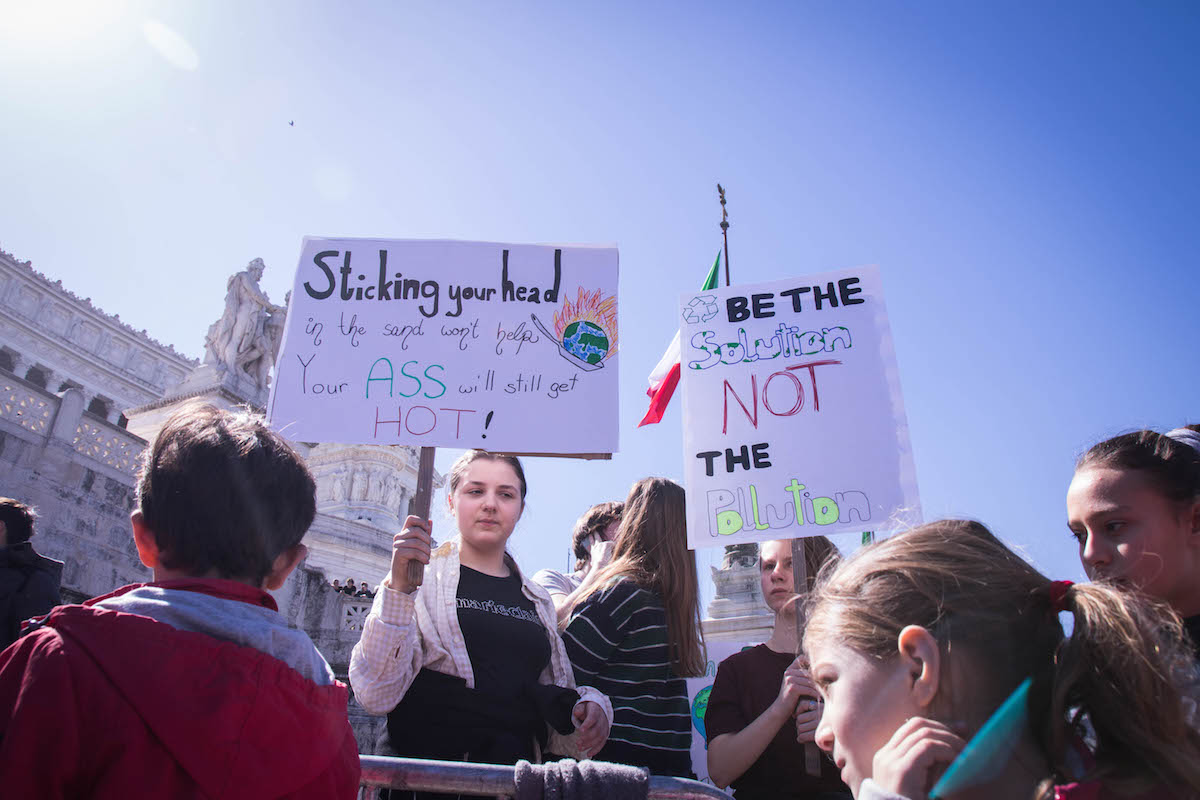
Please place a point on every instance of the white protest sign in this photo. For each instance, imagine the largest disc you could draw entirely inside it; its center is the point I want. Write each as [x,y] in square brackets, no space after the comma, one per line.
[792,415]
[506,347]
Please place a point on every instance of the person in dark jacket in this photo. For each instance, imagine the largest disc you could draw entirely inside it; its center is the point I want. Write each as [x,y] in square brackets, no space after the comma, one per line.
[28,581]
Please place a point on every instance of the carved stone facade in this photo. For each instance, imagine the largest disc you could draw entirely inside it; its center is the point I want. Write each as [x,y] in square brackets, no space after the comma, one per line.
[76,462]
[57,340]
[363,492]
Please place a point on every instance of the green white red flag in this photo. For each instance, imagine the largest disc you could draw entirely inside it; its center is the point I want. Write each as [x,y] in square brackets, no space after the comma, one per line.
[665,375]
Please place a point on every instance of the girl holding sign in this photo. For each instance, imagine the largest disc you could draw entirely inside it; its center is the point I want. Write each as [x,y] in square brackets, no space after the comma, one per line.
[469,666]
[1134,507]
[929,638]
[763,706]
[633,631]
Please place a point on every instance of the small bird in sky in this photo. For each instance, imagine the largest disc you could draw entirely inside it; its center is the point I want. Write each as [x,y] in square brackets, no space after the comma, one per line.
[292,123]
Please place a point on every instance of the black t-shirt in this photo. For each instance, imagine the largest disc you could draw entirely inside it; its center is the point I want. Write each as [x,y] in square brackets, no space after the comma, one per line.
[505,638]
[747,683]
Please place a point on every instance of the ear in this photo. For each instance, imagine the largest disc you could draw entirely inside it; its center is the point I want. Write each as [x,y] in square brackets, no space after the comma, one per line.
[922,658]
[285,562]
[143,539]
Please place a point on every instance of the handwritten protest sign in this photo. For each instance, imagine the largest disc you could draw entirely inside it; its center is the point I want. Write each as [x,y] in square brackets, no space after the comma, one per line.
[793,420]
[451,344]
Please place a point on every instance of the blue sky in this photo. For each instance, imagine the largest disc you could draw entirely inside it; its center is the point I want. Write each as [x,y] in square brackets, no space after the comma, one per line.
[1025,175]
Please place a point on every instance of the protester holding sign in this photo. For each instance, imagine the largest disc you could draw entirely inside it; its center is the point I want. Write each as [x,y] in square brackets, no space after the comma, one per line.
[1134,507]
[469,666]
[914,642]
[635,632]
[764,704]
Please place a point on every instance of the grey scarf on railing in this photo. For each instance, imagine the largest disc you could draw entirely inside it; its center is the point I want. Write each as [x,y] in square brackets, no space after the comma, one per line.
[581,780]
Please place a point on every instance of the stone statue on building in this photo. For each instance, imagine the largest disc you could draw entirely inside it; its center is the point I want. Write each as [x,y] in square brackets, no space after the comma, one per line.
[264,347]
[245,340]
[742,555]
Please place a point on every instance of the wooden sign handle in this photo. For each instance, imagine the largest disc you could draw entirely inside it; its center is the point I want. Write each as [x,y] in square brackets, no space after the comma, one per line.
[812,754]
[420,506]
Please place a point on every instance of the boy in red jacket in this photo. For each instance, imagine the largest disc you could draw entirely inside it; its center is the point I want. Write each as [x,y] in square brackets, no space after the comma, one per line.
[192,685]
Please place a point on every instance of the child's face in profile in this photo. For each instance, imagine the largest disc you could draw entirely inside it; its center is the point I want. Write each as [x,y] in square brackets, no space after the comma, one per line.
[866,700]
[1130,532]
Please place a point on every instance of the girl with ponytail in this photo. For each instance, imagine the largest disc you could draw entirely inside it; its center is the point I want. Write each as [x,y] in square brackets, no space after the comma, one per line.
[915,641]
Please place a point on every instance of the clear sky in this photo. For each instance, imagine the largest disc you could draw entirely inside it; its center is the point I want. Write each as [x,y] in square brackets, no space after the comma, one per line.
[1026,176]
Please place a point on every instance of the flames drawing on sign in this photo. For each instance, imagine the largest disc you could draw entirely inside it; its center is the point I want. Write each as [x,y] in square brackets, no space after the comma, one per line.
[585,331]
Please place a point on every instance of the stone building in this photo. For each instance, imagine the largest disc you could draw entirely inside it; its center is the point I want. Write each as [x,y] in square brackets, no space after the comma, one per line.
[56,341]
[80,395]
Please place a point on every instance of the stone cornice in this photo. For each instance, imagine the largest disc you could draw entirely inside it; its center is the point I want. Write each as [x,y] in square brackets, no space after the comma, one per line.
[133,383]
[84,304]
[217,389]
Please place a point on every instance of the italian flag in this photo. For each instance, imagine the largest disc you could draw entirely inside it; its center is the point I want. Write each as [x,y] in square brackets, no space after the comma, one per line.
[665,375]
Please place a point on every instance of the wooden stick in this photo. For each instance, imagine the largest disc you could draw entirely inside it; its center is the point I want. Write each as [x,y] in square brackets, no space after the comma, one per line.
[420,506]
[812,754]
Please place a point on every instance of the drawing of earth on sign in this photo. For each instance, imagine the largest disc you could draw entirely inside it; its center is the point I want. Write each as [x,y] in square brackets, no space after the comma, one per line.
[699,706]
[585,331]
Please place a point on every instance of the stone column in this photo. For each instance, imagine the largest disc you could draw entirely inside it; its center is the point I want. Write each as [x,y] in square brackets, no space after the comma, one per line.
[738,612]
[66,421]
[58,450]
[21,364]
[114,412]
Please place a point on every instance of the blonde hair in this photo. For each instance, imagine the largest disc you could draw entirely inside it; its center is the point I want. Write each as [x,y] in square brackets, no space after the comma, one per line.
[1128,664]
[651,550]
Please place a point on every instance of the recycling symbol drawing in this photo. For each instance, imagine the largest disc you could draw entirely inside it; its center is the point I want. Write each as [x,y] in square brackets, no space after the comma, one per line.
[701,308]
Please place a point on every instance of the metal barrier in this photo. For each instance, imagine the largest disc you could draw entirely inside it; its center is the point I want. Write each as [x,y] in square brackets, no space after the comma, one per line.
[492,780]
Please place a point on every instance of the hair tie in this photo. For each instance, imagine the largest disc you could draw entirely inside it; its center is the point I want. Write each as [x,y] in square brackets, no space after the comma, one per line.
[1058,595]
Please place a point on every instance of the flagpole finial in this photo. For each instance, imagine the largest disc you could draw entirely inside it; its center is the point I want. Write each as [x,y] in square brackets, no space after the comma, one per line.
[724,229]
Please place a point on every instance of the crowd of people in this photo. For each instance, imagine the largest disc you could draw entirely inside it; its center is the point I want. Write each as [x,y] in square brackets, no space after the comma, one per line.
[906,651]
[352,589]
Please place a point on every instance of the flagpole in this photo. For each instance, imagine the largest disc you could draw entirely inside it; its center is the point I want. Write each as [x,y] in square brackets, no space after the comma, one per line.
[812,756]
[724,230]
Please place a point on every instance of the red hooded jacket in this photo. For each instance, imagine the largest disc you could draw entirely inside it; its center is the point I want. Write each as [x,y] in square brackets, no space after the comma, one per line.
[105,704]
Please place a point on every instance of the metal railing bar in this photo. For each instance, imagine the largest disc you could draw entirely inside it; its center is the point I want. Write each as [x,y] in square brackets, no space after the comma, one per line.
[423,775]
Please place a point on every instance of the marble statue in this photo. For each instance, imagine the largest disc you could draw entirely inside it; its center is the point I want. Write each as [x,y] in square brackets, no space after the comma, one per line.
[245,340]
